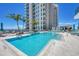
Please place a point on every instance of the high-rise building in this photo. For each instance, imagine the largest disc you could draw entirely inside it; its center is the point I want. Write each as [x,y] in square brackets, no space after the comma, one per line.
[1,26]
[44,13]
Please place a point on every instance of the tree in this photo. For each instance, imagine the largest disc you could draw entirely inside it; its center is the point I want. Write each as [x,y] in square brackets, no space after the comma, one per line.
[16,17]
[25,20]
[34,22]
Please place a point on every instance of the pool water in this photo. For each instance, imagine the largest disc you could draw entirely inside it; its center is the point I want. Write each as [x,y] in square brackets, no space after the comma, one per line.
[31,45]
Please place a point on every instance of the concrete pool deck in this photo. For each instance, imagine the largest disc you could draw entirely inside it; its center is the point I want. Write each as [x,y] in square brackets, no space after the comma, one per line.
[9,50]
[67,46]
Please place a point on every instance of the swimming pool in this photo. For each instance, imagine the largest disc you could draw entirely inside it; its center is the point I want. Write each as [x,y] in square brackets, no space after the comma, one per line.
[33,44]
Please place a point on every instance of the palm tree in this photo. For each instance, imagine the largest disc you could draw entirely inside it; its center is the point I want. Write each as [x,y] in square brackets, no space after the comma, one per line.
[25,20]
[34,22]
[16,17]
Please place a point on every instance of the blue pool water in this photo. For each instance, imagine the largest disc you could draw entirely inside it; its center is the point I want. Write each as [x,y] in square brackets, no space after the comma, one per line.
[33,44]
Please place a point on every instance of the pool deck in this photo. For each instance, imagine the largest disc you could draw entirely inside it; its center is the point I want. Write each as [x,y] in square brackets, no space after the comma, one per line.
[67,46]
[9,50]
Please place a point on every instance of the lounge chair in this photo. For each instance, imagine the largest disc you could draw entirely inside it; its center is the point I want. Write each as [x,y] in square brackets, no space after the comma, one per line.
[1,34]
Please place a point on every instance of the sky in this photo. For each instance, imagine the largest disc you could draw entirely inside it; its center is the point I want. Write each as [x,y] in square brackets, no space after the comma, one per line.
[10,8]
[66,13]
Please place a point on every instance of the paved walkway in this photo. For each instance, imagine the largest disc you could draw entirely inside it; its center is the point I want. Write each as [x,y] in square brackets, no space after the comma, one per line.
[67,46]
[5,50]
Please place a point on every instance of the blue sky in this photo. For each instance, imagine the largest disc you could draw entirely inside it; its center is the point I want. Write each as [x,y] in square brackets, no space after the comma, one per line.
[10,8]
[65,13]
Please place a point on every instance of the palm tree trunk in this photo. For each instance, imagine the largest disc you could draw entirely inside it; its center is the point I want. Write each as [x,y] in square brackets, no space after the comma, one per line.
[23,26]
[18,26]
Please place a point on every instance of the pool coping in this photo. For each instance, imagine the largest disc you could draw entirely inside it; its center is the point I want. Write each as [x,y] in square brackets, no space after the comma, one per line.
[16,36]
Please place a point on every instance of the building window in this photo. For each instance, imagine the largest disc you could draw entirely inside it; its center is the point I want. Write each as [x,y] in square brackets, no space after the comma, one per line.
[41,13]
[41,9]
[43,4]
[44,9]
[44,14]
[44,18]
[38,7]
[41,27]
[41,18]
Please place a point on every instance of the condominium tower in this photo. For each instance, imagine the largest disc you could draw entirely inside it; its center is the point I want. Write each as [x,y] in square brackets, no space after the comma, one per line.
[44,13]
